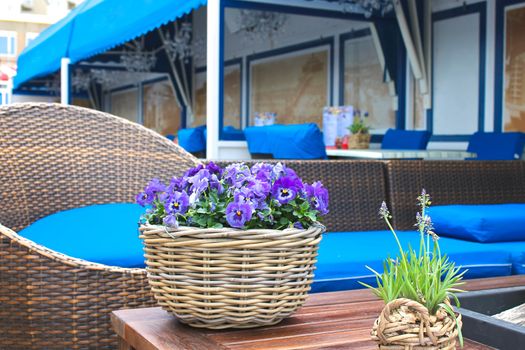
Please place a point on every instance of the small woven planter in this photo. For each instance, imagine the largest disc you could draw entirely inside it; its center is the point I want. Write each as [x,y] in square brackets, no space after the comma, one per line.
[358,141]
[228,278]
[406,324]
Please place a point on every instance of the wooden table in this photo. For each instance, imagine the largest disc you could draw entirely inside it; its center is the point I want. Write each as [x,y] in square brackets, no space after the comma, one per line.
[337,320]
[399,154]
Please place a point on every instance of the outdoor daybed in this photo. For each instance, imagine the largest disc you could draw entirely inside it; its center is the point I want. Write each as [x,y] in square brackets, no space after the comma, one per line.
[56,158]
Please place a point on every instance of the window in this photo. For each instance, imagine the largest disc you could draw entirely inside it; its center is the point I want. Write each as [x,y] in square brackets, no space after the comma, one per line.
[7,43]
[30,36]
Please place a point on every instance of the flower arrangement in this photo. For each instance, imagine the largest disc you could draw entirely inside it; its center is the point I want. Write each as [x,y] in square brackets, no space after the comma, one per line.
[261,197]
[425,276]
[359,126]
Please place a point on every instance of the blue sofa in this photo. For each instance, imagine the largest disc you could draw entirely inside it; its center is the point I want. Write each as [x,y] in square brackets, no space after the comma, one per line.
[355,236]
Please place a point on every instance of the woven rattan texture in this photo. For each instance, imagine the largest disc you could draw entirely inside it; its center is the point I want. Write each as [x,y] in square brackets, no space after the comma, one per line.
[406,324]
[356,189]
[452,182]
[54,158]
[227,278]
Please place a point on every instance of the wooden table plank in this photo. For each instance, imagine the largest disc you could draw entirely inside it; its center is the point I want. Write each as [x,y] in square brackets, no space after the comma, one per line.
[335,320]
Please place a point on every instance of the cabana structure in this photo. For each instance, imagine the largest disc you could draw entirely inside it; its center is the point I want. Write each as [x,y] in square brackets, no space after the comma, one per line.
[427,65]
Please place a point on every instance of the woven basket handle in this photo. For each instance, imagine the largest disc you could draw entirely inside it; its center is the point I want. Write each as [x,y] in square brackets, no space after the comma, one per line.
[397,303]
[384,317]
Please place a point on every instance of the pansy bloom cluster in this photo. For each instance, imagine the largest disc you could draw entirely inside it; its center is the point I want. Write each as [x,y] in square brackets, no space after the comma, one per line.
[263,196]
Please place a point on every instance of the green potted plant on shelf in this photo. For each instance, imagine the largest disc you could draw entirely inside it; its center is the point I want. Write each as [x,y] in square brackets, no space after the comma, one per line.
[233,247]
[359,137]
[416,287]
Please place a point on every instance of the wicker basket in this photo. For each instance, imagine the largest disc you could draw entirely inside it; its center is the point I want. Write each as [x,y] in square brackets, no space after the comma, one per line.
[228,278]
[406,324]
[358,141]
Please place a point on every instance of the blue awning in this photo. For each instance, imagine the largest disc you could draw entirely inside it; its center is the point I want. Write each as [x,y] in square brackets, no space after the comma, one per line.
[93,27]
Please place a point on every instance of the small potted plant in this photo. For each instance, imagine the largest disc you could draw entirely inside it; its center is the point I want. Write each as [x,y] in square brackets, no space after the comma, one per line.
[417,287]
[359,137]
[233,247]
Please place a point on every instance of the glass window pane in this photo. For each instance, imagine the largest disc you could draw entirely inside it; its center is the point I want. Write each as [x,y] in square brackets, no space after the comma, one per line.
[124,104]
[12,49]
[514,107]
[3,45]
[232,98]
[161,111]
[294,87]
[363,83]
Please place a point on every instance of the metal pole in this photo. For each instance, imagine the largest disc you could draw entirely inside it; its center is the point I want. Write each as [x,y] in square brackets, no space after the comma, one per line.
[213,76]
[65,81]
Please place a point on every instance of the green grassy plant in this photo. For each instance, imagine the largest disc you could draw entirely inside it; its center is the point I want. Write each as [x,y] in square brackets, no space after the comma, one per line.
[423,275]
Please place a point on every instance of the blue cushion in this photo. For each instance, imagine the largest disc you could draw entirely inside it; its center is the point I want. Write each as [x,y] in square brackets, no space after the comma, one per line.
[344,255]
[229,133]
[105,234]
[192,140]
[516,251]
[480,222]
[497,145]
[405,139]
[297,141]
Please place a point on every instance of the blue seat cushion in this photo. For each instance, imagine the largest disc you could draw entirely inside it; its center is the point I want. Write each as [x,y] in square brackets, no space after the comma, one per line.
[343,257]
[295,141]
[105,234]
[497,145]
[192,140]
[480,222]
[405,139]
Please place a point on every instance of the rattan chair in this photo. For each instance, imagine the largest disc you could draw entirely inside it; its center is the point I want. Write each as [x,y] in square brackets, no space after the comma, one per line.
[53,158]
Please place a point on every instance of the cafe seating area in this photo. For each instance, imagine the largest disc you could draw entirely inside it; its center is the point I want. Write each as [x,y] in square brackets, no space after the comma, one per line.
[478,208]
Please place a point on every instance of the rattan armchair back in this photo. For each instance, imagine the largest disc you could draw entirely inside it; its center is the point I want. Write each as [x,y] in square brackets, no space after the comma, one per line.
[52,158]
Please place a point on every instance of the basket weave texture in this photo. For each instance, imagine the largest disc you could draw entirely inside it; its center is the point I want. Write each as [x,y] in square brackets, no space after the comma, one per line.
[359,141]
[405,324]
[228,278]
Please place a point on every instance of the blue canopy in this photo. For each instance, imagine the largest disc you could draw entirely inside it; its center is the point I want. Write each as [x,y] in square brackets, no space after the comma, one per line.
[93,27]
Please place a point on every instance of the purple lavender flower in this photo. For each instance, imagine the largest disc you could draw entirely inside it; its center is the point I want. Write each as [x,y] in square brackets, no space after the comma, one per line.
[317,195]
[286,188]
[237,214]
[170,221]
[214,168]
[150,192]
[178,203]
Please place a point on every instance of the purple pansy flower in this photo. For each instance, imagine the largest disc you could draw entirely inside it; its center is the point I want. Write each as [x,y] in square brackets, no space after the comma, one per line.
[317,195]
[214,169]
[150,192]
[193,171]
[200,181]
[281,170]
[215,184]
[262,171]
[236,174]
[178,203]
[237,214]
[170,221]
[260,188]
[286,189]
